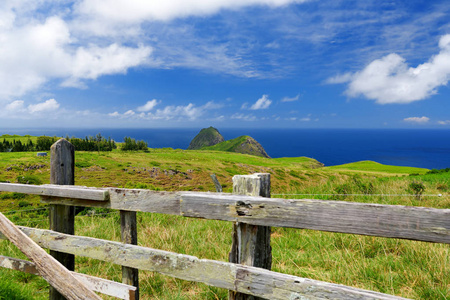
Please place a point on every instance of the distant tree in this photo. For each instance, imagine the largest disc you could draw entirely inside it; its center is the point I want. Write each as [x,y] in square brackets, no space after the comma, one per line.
[97,143]
[44,143]
[130,144]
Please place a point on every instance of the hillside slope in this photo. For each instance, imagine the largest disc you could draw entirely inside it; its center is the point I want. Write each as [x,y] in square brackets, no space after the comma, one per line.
[206,137]
[244,144]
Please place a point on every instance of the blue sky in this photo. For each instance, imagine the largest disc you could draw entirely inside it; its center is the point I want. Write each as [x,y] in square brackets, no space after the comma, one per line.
[225,63]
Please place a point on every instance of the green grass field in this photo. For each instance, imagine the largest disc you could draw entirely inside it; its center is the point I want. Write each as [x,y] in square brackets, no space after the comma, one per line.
[17,138]
[406,268]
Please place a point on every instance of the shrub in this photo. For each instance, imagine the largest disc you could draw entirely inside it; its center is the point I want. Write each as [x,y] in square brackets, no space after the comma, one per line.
[417,188]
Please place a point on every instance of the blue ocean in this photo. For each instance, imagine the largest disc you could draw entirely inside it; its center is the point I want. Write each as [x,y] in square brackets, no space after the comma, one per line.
[425,148]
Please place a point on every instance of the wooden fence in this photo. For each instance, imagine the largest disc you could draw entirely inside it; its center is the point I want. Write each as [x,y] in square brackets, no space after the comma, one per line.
[247,275]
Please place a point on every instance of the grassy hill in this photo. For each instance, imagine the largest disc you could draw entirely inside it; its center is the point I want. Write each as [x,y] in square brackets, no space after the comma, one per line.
[371,166]
[405,268]
[206,137]
[244,144]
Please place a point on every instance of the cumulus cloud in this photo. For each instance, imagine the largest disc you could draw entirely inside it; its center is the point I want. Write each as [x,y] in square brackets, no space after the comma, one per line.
[417,120]
[94,61]
[170,112]
[18,109]
[49,105]
[148,106]
[35,51]
[262,103]
[290,99]
[390,80]
[446,122]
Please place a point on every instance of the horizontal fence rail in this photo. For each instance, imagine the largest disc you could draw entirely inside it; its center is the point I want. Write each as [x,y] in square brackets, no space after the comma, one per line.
[392,221]
[250,280]
[68,191]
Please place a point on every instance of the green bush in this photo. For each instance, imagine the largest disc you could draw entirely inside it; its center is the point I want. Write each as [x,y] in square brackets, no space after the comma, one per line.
[416,188]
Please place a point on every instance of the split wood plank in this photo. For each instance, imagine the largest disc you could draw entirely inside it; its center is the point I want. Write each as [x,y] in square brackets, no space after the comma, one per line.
[49,268]
[393,221]
[100,285]
[51,190]
[250,280]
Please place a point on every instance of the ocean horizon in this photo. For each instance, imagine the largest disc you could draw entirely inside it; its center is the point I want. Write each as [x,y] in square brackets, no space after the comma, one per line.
[423,148]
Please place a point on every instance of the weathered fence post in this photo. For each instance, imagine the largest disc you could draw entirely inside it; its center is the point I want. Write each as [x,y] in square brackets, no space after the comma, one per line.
[128,232]
[251,243]
[62,217]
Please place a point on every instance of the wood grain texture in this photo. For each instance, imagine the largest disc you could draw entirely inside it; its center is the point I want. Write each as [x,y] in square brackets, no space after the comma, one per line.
[128,230]
[49,268]
[100,285]
[62,217]
[77,192]
[251,243]
[395,221]
[251,280]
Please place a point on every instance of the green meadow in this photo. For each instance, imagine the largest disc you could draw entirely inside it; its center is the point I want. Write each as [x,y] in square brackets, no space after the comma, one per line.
[405,268]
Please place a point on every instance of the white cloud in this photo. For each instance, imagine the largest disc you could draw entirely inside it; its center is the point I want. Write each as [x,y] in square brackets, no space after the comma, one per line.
[390,80]
[262,103]
[417,120]
[446,122]
[170,112]
[129,113]
[34,51]
[49,105]
[94,61]
[290,99]
[18,109]
[125,11]
[15,106]
[148,106]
